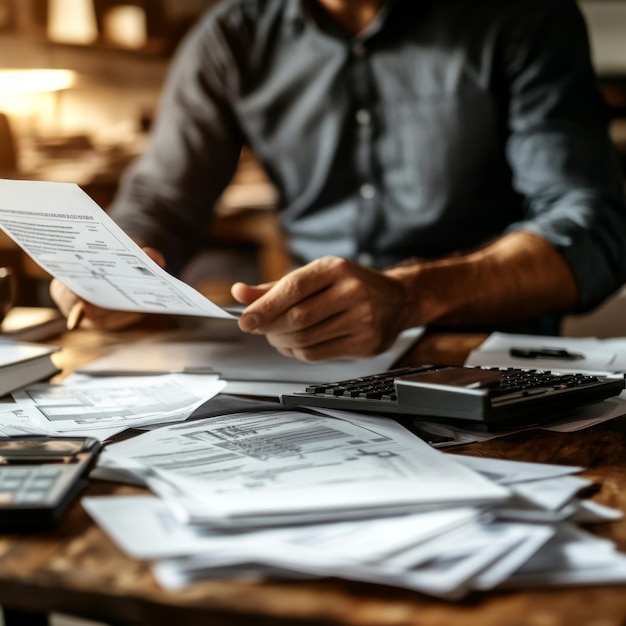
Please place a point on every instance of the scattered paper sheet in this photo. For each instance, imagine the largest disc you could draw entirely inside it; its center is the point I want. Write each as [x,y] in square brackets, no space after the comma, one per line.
[117,403]
[445,552]
[65,232]
[590,354]
[552,494]
[242,470]
[572,557]
[144,527]
[247,362]
[15,421]
[475,556]
[509,472]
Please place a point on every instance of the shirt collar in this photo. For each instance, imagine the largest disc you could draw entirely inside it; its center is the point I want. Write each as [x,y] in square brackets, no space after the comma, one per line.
[298,14]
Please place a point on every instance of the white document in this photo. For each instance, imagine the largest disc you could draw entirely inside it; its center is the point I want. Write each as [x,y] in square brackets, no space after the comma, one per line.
[243,357]
[543,492]
[445,552]
[117,402]
[552,494]
[19,420]
[15,420]
[536,536]
[477,557]
[589,354]
[65,232]
[444,565]
[592,512]
[572,557]
[508,472]
[294,465]
[145,528]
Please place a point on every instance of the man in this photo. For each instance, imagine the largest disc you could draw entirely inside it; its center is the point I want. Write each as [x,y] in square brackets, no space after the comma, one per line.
[438,162]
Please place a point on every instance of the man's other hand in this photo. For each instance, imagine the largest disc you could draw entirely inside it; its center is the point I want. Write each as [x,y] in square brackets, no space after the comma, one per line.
[328,309]
[85,315]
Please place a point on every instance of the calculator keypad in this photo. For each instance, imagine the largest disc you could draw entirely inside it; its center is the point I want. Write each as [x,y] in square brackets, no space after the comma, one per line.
[27,485]
[510,381]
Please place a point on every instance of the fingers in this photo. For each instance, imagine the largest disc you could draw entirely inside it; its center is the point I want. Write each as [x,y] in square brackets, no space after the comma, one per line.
[80,313]
[64,298]
[289,296]
[96,318]
[346,347]
[75,316]
[328,315]
[246,294]
[346,334]
[328,309]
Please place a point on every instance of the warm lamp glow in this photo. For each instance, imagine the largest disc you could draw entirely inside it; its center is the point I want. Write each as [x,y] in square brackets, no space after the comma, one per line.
[126,26]
[72,21]
[35,81]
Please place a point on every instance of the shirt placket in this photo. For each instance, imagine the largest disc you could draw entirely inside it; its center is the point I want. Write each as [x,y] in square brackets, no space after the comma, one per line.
[368,183]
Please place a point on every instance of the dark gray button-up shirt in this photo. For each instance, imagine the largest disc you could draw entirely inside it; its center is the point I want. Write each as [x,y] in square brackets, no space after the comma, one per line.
[444,125]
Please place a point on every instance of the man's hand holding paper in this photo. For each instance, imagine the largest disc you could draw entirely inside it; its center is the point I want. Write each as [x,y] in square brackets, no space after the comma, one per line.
[84,314]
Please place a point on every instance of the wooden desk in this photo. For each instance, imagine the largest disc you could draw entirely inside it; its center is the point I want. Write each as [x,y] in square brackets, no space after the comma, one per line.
[78,570]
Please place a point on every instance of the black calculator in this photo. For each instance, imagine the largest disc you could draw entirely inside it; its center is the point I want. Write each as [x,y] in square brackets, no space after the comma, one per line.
[492,396]
[40,477]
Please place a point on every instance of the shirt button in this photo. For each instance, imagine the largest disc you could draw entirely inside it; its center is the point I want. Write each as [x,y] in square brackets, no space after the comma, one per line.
[365,259]
[367,191]
[363,117]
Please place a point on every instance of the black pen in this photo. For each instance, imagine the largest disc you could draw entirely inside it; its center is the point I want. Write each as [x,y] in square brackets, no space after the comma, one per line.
[546,353]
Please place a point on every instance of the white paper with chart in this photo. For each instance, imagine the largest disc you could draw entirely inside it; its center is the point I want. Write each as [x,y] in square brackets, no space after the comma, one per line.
[65,232]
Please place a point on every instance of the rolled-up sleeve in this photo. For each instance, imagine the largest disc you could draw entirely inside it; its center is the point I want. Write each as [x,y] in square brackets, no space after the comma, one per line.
[563,161]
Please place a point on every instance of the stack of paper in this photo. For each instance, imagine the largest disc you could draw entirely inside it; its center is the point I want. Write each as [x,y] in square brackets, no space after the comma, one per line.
[277,467]
[297,494]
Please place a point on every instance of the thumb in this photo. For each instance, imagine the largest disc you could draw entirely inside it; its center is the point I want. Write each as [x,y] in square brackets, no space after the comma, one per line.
[246,294]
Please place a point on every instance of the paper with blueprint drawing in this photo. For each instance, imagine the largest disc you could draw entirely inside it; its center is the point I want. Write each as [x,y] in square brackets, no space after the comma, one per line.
[65,232]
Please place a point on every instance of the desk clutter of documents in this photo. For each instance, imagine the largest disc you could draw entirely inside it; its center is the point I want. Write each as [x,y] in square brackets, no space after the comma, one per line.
[242,488]
[252,490]
[293,494]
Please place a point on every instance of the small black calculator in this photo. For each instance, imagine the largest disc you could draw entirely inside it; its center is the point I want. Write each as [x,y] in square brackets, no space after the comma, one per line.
[40,476]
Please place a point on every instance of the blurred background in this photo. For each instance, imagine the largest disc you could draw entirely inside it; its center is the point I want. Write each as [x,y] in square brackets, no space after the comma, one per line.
[79,84]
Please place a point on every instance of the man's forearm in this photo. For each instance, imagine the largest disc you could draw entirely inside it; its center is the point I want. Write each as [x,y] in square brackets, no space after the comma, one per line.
[519,276]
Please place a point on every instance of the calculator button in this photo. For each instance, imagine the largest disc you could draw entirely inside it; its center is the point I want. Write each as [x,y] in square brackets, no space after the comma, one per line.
[25,497]
[17,472]
[42,483]
[50,472]
[12,483]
